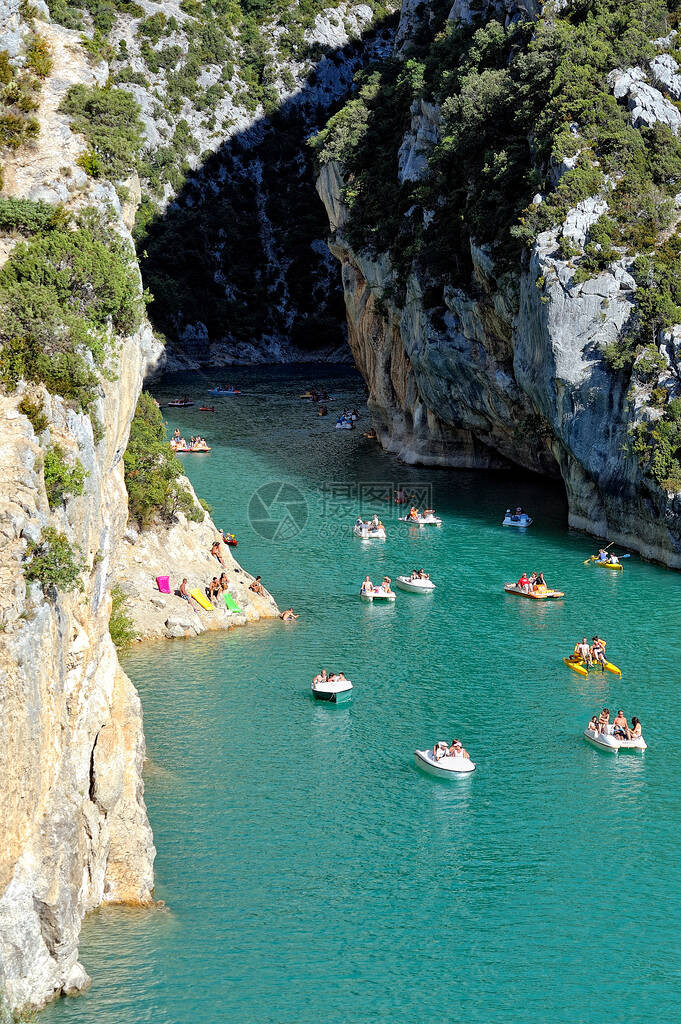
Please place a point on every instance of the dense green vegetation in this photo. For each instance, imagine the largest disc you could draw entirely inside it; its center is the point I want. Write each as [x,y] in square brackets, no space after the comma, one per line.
[152,471]
[515,102]
[52,561]
[61,478]
[109,119]
[63,291]
[19,92]
[121,627]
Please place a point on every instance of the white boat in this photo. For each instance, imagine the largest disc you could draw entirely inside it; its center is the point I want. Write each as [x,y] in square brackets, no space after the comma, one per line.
[608,741]
[377,594]
[516,519]
[446,767]
[333,693]
[414,586]
[421,520]
[369,534]
[345,425]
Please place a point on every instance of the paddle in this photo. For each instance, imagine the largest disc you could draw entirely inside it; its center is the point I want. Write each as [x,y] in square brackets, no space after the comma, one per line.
[594,557]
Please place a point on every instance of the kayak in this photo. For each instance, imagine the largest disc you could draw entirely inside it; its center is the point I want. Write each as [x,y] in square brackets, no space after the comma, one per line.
[612,743]
[540,594]
[579,666]
[610,565]
[576,666]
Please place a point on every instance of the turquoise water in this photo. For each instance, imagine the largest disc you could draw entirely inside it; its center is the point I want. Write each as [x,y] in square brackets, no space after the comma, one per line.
[311,873]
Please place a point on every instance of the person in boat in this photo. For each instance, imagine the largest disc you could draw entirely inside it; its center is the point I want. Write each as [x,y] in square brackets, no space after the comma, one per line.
[598,650]
[386,585]
[414,512]
[215,552]
[457,750]
[176,434]
[540,581]
[602,555]
[257,587]
[355,414]
[524,583]
[604,720]
[322,677]
[367,586]
[593,725]
[613,559]
[620,725]
[635,732]
[288,615]
[440,750]
[429,512]
[423,575]
[583,651]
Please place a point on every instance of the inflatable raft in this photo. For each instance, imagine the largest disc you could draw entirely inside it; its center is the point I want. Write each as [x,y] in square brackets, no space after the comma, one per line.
[538,594]
[201,599]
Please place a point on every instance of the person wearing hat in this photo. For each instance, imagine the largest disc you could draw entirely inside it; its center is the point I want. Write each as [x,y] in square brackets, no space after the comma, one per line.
[457,749]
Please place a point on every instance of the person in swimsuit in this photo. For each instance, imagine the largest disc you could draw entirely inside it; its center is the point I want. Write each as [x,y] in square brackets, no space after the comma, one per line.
[584,651]
[593,725]
[604,720]
[321,678]
[457,749]
[635,732]
[288,615]
[367,586]
[540,582]
[215,552]
[598,650]
[257,587]
[620,725]
[213,590]
[440,750]
[224,583]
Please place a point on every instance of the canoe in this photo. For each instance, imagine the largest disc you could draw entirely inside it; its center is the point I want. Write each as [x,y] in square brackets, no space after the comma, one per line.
[540,594]
[333,693]
[415,586]
[201,599]
[613,744]
[610,565]
[576,666]
[446,767]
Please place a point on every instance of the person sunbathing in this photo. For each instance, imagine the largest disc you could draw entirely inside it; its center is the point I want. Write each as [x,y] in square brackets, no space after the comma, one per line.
[215,551]
[224,583]
[257,587]
[213,589]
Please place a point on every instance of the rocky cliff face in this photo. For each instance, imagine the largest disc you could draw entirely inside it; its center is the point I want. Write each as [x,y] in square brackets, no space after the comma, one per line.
[509,369]
[75,830]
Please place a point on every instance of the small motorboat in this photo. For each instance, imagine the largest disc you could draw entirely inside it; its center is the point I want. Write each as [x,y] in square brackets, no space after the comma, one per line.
[609,565]
[538,594]
[445,767]
[206,408]
[606,740]
[417,586]
[578,665]
[179,403]
[332,692]
[377,594]
[517,518]
[369,533]
[429,520]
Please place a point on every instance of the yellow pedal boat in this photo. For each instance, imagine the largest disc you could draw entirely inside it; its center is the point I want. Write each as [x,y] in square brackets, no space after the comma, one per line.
[539,594]
[577,665]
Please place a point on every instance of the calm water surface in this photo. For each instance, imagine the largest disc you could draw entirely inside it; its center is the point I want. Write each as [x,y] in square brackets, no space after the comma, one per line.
[311,873]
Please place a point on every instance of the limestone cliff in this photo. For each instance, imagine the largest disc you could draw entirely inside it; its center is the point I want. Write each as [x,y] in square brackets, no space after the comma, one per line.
[506,365]
[75,830]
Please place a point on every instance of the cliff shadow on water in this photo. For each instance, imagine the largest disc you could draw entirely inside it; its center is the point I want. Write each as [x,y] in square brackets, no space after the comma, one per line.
[238,262]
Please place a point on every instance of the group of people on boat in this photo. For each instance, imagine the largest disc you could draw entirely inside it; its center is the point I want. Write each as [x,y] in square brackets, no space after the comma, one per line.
[414,513]
[453,749]
[329,677]
[226,387]
[590,653]
[530,584]
[371,525]
[619,726]
[383,588]
[517,516]
[316,396]
[606,556]
[347,418]
[419,574]
[196,444]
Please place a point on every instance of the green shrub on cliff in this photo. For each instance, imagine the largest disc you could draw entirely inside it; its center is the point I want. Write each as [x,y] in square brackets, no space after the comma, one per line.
[52,561]
[109,119]
[62,294]
[152,471]
[121,627]
[61,478]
